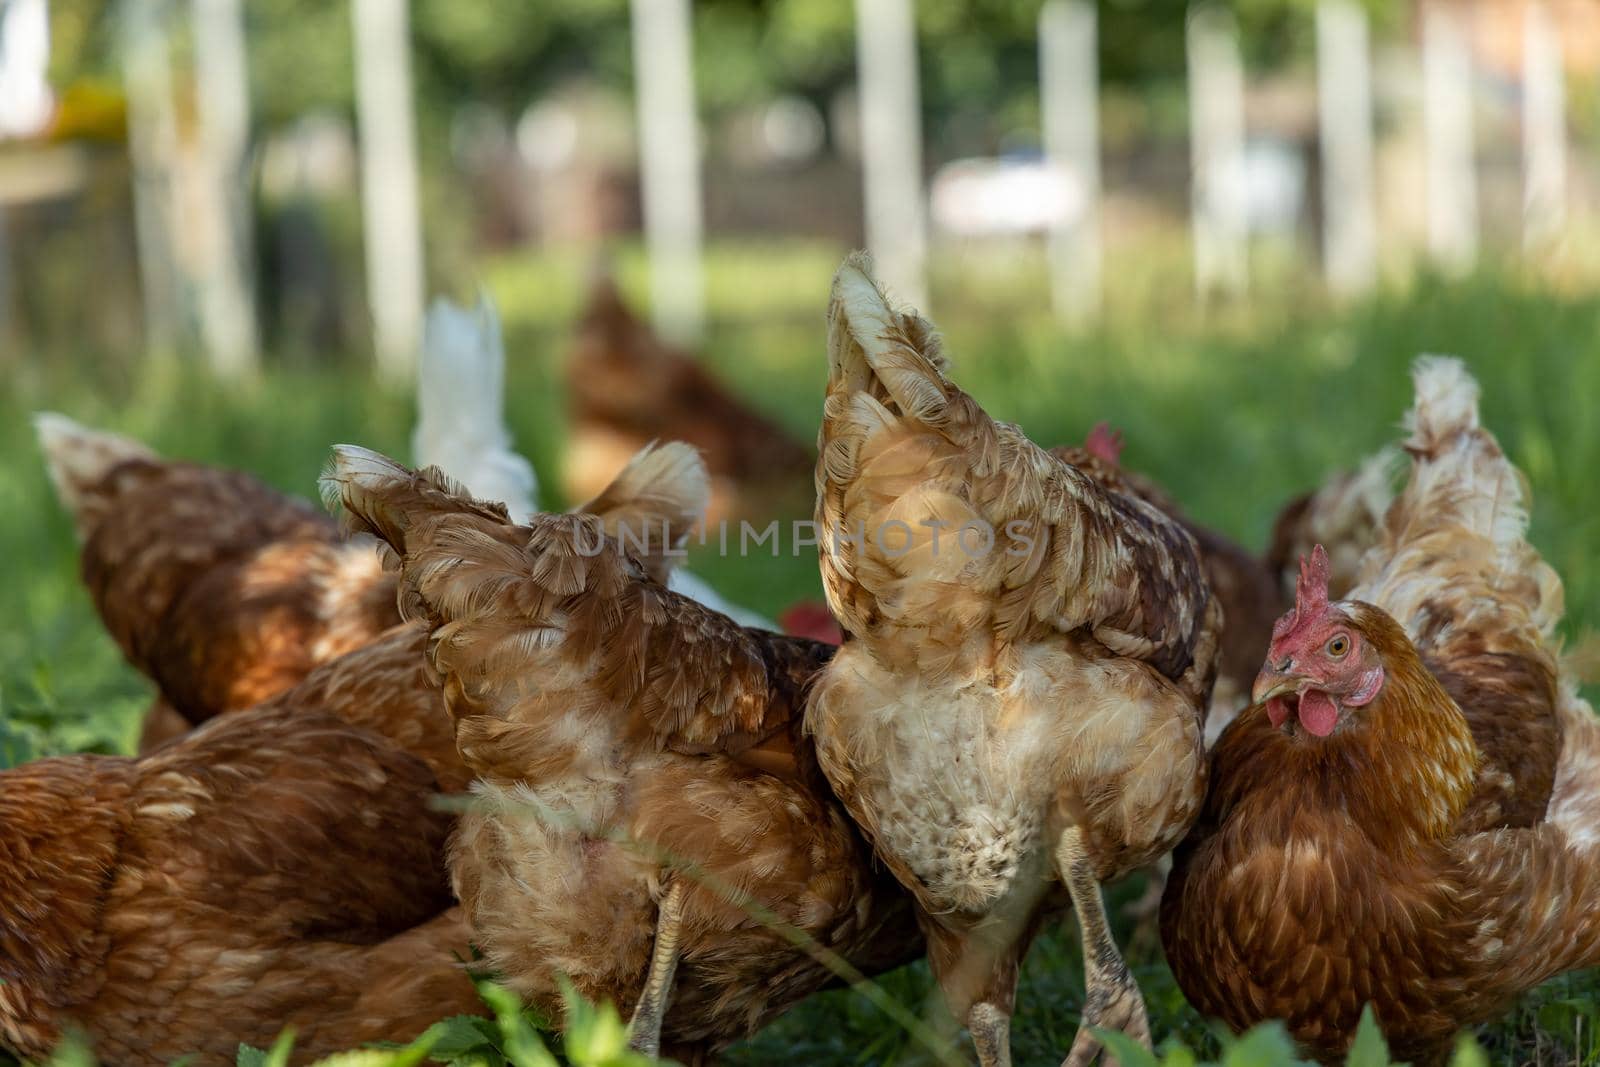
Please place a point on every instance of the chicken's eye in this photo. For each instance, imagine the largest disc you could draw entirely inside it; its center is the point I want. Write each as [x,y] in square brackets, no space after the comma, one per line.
[1339,646]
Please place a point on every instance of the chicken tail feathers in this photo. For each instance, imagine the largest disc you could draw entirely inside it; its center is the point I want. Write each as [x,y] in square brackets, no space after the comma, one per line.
[653,504]
[1446,405]
[78,460]
[936,519]
[1462,483]
[1458,462]
[648,510]
[461,407]
[1454,559]
[378,496]
[868,338]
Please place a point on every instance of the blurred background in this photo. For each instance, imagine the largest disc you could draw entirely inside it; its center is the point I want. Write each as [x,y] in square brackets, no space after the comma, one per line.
[1226,228]
[253,184]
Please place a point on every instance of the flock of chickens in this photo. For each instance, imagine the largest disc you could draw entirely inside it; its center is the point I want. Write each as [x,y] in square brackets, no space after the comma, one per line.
[1376,781]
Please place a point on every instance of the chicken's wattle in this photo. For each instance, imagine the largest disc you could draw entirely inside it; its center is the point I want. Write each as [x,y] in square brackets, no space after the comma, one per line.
[1315,709]
[1318,713]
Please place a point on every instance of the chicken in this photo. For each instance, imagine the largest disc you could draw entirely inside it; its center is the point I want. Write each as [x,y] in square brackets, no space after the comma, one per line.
[275,868]
[198,975]
[221,590]
[1012,707]
[648,820]
[224,591]
[627,388]
[1405,817]
[1243,585]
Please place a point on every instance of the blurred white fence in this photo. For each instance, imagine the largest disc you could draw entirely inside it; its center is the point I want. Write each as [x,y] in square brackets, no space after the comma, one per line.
[1069,105]
[1216,142]
[891,144]
[392,223]
[1344,121]
[1452,189]
[1544,129]
[222,76]
[669,164]
[1228,175]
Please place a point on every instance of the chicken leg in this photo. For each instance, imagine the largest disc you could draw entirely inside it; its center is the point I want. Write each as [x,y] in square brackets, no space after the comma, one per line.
[990,1027]
[644,1031]
[1112,1000]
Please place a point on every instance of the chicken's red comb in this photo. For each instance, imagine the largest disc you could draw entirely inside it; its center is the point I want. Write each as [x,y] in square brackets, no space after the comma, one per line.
[1104,442]
[1310,594]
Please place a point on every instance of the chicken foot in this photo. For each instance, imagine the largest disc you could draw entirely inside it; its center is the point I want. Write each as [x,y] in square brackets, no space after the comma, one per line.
[1112,1000]
[644,1030]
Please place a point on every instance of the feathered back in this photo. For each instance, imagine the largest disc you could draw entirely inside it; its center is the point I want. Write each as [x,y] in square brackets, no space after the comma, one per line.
[461,407]
[627,385]
[61,826]
[902,447]
[392,502]
[649,509]
[79,459]
[560,601]
[219,588]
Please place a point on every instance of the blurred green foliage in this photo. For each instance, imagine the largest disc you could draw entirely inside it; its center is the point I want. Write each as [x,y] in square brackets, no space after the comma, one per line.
[977,56]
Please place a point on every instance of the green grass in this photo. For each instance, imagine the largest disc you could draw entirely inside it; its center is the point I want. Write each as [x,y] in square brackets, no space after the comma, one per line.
[1234,411]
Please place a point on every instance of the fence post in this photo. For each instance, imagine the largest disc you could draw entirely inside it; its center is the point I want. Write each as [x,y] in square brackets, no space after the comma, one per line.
[891,145]
[669,164]
[1452,184]
[1216,131]
[1069,86]
[152,144]
[227,303]
[1344,114]
[390,213]
[1544,129]
[25,97]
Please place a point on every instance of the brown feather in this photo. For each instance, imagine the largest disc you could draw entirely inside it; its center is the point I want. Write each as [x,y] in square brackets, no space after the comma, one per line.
[274,868]
[985,701]
[1436,855]
[623,736]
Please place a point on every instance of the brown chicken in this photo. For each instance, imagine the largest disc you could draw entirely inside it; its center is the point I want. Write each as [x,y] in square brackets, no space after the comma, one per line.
[1406,817]
[627,388]
[650,822]
[1012,706]
[226,970]
[220,589]
[278,867]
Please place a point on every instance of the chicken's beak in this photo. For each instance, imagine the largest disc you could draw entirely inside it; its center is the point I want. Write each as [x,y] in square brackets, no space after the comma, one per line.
[1273,683]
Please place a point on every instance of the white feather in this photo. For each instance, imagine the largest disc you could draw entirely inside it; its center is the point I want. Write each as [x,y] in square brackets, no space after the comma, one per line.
[461,427]
[461,404]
